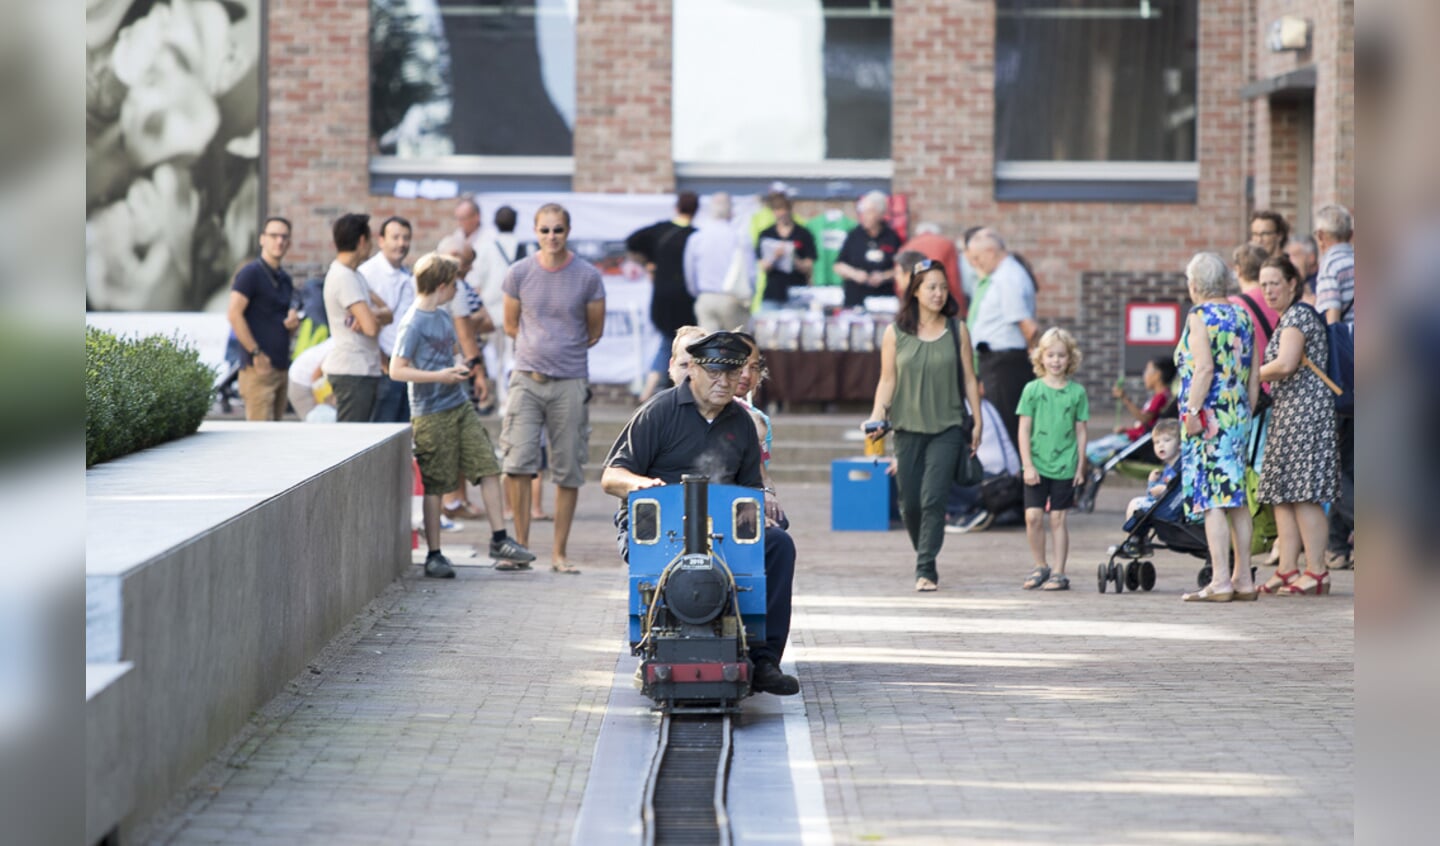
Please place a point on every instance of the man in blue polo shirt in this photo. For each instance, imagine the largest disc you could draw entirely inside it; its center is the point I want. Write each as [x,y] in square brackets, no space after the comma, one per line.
[695,427]
[262,315]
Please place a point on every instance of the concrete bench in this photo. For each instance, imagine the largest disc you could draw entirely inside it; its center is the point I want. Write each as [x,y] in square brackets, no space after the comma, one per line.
[216,567]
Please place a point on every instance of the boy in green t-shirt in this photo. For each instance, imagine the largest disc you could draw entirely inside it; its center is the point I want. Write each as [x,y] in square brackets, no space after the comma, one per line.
[1052,413]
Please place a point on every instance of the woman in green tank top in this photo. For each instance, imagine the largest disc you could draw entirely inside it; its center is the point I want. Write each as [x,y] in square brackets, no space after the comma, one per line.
[919,396]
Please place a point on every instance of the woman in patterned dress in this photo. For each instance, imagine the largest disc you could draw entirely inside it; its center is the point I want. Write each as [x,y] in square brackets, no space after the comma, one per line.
[1302,468]
[1218,385]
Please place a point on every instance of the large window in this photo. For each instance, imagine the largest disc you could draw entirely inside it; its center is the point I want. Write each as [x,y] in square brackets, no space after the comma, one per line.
[492,78]
[1095,97]
[761,82]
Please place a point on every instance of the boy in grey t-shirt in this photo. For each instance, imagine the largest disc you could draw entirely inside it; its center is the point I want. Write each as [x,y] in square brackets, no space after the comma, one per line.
[450,443]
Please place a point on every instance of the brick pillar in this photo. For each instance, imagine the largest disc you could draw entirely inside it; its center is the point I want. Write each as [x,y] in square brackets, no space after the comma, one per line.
[622,93]
[1334,49]
[318,117]
[943,113]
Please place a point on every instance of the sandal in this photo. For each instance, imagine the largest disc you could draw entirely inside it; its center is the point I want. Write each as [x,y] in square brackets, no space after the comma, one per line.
[541,518]
[1320,587]
[1060,582]
[512,566]
[563,567]
[1037,577]
[1209,594]
[924,585]
[1280,581]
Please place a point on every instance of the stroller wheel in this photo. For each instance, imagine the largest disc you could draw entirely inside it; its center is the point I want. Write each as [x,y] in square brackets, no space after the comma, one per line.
[1117,574]
[1147,575]
[1132,576]
[1202,578]
[1102,574]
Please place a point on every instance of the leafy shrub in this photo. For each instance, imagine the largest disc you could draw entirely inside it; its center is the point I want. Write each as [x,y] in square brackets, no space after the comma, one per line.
[140,392]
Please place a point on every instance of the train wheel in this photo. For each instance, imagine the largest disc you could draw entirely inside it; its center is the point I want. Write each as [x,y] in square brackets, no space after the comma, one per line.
[1132,576]
[1147,575]
[1102,575]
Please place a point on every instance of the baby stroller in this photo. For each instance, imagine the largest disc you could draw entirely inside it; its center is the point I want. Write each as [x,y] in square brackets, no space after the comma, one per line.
[1162,526]
[1140,451]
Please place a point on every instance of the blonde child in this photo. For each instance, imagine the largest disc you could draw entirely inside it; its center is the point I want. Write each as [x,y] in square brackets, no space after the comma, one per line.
[1052,412]
[1166,437]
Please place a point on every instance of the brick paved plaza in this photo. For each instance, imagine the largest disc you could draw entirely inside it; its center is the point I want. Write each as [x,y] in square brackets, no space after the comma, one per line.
[468,711]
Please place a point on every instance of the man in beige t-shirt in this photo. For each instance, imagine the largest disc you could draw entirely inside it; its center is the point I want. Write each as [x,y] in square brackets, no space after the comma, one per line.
[355,315]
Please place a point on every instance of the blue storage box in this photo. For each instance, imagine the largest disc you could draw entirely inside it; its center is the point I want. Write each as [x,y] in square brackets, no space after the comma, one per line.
[860,495]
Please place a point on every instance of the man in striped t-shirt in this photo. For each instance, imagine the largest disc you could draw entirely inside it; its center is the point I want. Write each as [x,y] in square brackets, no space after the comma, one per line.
[555,311]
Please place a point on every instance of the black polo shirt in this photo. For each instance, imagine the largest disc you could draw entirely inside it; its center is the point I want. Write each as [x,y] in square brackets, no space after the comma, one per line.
[668,438]
[876,254]
[270,292]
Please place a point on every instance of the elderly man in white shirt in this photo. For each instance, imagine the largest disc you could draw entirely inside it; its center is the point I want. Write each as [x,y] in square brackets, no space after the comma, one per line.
[386,274]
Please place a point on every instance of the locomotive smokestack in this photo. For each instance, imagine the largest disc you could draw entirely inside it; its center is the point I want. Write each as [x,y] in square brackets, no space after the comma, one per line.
[697,514]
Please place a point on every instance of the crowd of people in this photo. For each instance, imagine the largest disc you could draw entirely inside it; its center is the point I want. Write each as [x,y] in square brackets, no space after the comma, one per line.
[1252,427]
[988,419]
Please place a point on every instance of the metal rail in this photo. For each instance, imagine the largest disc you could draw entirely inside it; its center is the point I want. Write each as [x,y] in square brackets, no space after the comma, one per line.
[685,789]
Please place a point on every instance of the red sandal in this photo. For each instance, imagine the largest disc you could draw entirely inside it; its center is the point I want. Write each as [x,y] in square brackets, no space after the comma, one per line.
[1284,581]
[1320,588]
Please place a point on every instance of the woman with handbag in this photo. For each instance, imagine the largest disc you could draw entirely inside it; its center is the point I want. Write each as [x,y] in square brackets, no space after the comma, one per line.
[1302,459]
[926,375]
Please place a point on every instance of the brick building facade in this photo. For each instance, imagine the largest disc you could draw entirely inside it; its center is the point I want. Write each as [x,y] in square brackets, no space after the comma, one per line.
[1267,120]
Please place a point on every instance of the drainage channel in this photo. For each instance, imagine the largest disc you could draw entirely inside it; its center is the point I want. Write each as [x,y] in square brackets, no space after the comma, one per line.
[685,793]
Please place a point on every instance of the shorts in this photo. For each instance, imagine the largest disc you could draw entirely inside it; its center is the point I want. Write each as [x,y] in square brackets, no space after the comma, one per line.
[1060,492]
[451,443]
[558,407]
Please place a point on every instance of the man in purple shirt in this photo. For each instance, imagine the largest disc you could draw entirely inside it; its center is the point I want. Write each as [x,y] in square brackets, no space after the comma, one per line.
[555,311]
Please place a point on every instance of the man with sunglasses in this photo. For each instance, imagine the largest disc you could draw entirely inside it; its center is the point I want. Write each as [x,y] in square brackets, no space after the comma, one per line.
[554,308]
[695,427]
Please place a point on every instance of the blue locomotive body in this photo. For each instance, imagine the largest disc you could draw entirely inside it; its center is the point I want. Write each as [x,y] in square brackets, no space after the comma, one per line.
[696,591]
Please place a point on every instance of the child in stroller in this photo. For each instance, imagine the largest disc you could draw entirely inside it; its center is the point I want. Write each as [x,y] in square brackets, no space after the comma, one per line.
[1141,451]
[1156,521]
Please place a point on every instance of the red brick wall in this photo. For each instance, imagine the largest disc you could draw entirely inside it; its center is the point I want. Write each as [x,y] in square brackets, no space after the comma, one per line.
[622,95]
[318,129]
[1332,53]
[944,123]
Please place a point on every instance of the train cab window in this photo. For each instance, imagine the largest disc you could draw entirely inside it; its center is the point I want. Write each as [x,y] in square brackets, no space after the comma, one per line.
[746,518]
[646,528]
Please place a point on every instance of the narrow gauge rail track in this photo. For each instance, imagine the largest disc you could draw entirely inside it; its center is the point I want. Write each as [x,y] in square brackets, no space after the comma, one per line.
[685,790]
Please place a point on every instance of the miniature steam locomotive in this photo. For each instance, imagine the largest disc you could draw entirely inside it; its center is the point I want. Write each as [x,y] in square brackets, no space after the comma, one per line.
[696,592]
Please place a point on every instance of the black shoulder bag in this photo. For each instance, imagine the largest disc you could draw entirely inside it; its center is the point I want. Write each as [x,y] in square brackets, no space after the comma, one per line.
[968,471]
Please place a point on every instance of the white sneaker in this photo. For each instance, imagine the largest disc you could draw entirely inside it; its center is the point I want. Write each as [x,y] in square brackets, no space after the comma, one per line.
[448,525]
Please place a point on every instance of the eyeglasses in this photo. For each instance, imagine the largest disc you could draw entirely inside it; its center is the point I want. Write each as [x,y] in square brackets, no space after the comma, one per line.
[1269,233]
[721,375]
[283,236]
[559,230]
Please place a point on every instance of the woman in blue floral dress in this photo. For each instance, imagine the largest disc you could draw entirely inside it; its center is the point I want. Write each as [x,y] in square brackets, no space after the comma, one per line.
[1218,386]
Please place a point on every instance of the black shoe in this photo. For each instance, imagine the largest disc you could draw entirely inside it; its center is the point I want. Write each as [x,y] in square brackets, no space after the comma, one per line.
[769,679]
[438,566]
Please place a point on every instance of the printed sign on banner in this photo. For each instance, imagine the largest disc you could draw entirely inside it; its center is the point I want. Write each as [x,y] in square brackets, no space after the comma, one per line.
[1150,329]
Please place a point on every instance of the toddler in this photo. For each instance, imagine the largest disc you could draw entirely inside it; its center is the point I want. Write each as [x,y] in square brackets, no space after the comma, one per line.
[1167,449]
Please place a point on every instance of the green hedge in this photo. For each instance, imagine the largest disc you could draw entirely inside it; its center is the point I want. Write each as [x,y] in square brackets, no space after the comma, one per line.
[140,392]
